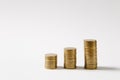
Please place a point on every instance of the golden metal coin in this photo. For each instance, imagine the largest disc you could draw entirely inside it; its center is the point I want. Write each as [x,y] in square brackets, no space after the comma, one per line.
[90,43]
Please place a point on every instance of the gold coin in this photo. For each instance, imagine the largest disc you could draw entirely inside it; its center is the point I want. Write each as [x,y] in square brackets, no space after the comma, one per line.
[90,43]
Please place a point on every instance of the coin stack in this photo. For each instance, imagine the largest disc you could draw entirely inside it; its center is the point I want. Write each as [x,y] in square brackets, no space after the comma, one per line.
[51,61]
[70,58]
[90,47]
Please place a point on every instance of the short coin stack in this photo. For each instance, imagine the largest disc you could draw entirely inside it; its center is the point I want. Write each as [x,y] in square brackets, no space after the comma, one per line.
[51,61]
[70,58]
[90,48]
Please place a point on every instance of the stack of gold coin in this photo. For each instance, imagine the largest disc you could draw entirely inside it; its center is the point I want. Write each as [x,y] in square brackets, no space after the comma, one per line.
[70,58]
[51,61]
[90,48]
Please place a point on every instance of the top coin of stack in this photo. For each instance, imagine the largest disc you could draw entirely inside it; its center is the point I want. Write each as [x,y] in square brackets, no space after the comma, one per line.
[51,61]
[69,57]
[90,43]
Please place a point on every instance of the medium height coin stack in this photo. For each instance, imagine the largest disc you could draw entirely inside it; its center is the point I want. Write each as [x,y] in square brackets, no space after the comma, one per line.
[90,54]
[70,58]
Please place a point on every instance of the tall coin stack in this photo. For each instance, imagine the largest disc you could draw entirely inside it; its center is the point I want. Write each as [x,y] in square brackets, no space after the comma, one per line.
[90,48]
[70,58]
[51,61]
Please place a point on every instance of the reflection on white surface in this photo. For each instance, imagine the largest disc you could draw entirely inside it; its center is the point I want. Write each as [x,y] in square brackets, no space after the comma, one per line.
[82,68]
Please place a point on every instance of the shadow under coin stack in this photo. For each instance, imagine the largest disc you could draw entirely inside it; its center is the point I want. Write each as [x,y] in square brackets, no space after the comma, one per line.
[51,61]
[90,48]
[70,58]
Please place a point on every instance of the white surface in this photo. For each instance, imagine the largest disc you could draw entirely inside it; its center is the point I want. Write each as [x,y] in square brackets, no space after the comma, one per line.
[31,28]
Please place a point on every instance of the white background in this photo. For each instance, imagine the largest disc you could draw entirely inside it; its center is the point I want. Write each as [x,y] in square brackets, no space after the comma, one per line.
[31,28]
